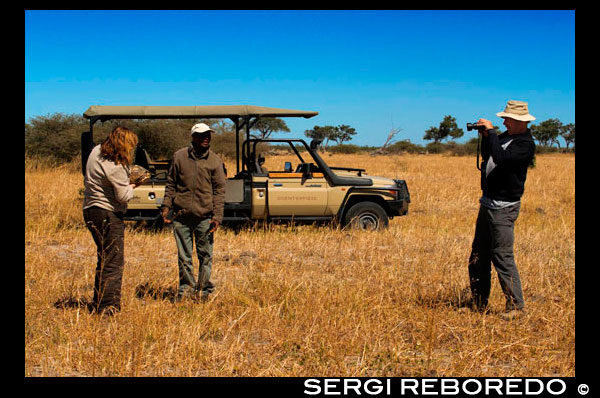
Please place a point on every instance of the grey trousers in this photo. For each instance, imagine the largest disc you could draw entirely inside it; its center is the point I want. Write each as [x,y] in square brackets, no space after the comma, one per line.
[188,231]
[493,243]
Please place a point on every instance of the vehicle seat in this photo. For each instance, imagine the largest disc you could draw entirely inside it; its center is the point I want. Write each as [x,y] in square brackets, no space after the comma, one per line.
[260,168]
[250,165]
[142,158]
[307,168]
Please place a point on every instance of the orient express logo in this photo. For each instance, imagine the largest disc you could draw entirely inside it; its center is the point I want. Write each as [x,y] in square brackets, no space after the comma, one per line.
[296,197]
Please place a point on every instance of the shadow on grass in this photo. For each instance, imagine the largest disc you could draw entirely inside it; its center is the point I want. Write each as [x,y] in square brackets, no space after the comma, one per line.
[156,292]
[141,291]
[455,298]
[74,302]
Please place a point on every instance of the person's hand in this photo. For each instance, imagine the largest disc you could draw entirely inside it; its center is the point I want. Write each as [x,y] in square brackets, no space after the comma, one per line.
[134,186]
[164,212]
[487,124]
[215,225]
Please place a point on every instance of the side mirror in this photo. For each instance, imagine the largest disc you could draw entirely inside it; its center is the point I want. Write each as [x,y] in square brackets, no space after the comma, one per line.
[288,167]
[314,144]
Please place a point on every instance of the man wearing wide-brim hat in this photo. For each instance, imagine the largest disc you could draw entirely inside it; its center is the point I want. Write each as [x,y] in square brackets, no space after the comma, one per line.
[195,197]
[506,158]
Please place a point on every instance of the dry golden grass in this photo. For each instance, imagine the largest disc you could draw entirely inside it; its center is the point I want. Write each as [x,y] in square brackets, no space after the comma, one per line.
[307,300]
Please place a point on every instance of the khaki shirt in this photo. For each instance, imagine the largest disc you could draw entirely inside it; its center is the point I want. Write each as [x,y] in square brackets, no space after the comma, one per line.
[196,184]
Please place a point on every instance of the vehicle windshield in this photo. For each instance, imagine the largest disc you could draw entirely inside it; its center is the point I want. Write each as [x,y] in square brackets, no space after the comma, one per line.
[255,157]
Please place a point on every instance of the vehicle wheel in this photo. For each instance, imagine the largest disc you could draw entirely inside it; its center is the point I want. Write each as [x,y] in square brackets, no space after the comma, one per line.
[366,216]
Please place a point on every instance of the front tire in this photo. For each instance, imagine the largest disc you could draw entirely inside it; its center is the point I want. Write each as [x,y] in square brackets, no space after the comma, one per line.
[367,216]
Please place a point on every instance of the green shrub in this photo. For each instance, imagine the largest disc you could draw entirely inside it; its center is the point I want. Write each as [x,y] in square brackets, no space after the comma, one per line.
[405,146]
[435,147]
[56,137]
[470,147]
[345,148]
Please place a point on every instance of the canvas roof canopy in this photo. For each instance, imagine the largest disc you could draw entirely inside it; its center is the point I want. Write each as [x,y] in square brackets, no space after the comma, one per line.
[233,112]
[104,112]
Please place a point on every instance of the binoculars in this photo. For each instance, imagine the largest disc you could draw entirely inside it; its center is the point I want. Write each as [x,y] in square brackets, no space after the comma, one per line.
[475,126]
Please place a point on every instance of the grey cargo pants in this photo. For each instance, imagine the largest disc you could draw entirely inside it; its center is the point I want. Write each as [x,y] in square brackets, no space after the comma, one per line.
[493,243]
[189,230]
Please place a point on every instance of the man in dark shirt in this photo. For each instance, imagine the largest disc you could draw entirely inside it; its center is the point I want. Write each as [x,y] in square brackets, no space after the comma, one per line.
[506,158]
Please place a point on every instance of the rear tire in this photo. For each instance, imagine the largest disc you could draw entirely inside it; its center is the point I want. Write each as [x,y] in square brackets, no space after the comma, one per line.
[367,216]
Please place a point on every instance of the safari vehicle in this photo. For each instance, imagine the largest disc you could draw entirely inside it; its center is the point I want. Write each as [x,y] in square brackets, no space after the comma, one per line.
[308,191]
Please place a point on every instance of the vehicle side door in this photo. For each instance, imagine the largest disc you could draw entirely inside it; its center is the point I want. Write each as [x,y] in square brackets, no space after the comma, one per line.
[296,194]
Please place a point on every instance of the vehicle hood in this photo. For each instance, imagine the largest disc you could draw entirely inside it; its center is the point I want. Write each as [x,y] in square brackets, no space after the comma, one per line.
[381,182]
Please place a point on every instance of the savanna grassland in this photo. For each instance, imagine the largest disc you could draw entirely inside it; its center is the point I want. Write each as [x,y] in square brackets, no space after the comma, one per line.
[310,300]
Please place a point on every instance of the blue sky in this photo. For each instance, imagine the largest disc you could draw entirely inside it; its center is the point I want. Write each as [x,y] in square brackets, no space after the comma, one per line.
[372,70]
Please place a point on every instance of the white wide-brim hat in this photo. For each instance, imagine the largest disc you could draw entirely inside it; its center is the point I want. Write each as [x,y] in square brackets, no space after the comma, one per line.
[516,110]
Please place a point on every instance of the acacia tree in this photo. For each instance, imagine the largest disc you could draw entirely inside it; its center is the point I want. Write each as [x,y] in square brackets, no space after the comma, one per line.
[323,133]
[547,132]
[567,132]
[268,125]
[343,133]
[447,128]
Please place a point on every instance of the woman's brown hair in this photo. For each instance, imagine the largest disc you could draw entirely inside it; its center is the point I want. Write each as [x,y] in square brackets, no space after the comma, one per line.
[118,146]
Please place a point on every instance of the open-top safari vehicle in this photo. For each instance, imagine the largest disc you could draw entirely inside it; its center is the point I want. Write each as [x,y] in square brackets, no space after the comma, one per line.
[309,192]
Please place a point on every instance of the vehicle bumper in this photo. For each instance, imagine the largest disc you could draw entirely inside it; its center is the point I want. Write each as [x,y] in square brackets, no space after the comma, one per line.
[399,207]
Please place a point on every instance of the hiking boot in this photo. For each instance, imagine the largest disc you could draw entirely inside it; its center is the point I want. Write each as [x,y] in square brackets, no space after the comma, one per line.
[200,297]
[512,314]
[188,294]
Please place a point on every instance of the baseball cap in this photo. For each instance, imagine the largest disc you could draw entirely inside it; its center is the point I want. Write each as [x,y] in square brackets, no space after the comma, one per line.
[201,128]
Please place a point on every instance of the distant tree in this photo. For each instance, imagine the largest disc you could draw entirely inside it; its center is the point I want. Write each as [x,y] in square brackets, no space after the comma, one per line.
[342,133]
[390,138]
[268,125]
[567,132]
[447,128]
[388,142]
[220,126]
[323,133]
[546,132]
[554,138]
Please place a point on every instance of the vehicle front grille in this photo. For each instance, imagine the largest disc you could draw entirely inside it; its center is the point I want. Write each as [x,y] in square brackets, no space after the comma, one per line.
[403,194]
